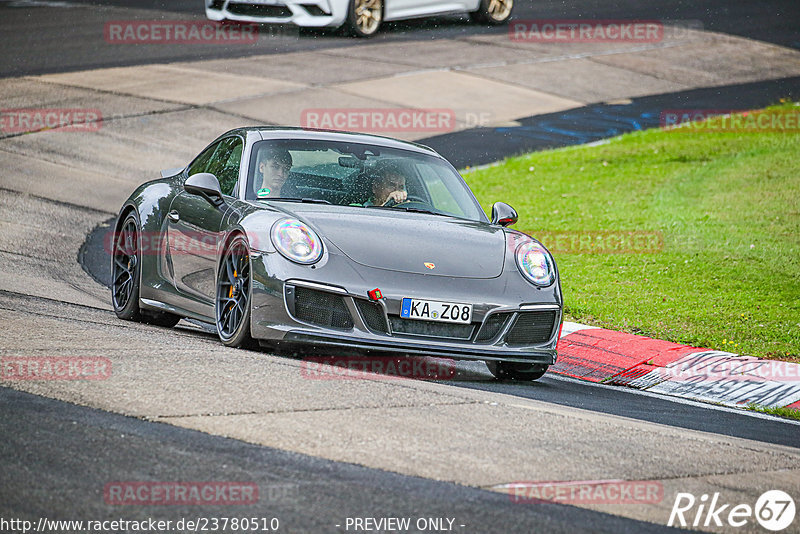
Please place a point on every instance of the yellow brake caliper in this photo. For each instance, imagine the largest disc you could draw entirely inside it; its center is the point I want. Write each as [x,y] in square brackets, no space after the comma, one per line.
[230,291]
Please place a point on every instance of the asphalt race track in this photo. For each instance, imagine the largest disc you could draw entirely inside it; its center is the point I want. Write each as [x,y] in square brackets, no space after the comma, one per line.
[306,494]
[60,36]
[180,407]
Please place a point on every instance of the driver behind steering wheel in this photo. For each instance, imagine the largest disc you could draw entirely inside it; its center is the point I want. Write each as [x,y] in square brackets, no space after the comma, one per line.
[388,185]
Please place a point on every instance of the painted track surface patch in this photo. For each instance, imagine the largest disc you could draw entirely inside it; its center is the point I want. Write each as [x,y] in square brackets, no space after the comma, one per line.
[618,358]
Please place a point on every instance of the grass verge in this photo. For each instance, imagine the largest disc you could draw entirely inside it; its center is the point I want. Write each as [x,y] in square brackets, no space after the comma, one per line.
[710,221]
[788,413]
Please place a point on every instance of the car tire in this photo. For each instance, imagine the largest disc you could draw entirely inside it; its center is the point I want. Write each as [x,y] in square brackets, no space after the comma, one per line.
[126,264]
[524,372]
[364,18]
[494,12]
[234,288]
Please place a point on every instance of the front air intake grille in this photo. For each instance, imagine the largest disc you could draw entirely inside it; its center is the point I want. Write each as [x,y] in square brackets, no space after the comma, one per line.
[492,326]
[321,308]
[259,10]
[314,10]
[216,5]
[532,328]
[373,315]
[430,328]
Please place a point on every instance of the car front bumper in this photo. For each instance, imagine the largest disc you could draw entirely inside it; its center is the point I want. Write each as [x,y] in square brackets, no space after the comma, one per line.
[306,13]
[277,320]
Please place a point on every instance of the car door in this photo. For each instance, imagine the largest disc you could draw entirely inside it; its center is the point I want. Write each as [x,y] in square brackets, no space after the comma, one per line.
[394,9]
[400,9]
[193,225]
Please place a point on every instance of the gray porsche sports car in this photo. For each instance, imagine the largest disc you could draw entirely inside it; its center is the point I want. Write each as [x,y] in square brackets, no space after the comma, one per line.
[306,239]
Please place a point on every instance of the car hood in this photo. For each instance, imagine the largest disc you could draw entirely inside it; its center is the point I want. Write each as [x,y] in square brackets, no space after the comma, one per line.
[406,242]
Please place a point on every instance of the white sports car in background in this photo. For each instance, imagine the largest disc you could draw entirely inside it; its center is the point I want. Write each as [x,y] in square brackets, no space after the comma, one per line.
[360,17]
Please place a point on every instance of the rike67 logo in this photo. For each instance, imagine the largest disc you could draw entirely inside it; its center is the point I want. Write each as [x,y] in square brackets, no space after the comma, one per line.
[774,510]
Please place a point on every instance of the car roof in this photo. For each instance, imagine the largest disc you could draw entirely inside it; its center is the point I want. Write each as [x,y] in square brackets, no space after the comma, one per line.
[285,132]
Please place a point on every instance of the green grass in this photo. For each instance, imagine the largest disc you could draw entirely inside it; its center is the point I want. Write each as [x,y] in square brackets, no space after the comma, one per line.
[727,205]
[788,413]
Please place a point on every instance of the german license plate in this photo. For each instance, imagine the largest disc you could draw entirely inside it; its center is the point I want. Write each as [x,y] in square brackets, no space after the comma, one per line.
[432,310]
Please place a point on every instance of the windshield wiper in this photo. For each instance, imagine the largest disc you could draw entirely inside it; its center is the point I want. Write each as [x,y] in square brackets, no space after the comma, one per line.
[413,210]
[303,200]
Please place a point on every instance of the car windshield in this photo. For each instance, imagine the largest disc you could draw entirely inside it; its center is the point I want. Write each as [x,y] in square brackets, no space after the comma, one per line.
[359,176]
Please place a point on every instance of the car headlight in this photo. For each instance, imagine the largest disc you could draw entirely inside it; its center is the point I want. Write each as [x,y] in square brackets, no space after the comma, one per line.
[535,263]
[296,241]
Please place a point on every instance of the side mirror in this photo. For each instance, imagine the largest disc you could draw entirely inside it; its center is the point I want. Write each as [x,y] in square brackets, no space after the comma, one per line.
[207,186]
[503,214]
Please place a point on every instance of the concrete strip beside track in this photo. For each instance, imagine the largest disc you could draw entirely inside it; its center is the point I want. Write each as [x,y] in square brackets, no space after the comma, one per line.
[173,83]
[486,76]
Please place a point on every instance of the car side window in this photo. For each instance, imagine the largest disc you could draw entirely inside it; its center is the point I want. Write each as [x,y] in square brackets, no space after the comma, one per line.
[438,191]
[226,162]
[223,160]
[200,163]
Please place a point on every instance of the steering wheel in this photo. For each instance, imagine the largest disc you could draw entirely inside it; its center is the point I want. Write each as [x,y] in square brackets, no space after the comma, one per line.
[409,200]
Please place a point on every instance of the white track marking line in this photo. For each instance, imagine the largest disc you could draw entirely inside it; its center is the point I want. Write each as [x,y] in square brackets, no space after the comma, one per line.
[679,400]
